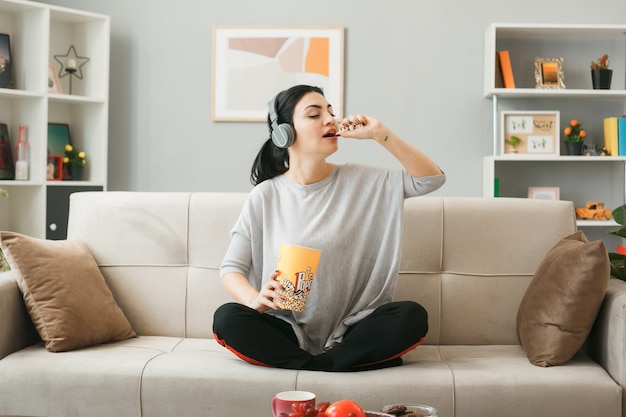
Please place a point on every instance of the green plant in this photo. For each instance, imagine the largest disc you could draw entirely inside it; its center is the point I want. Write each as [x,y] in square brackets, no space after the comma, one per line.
[602,63]
[617,259]
[73,157]
[514,141]
[574,132]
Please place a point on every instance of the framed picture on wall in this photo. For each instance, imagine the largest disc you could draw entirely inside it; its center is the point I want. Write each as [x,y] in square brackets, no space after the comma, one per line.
[5,61]
[544,193]
[253,63]
[529,134]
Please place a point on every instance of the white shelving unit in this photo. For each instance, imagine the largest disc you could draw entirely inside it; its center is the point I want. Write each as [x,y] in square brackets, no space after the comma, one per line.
[37,33]
[579,178]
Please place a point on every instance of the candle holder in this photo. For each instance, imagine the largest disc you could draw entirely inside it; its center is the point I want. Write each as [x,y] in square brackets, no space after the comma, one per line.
[69,66]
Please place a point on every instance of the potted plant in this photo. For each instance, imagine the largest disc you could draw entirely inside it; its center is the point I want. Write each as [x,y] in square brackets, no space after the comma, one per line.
[574,135]
[617,259]
[601,74]
[513,141]
[75,162]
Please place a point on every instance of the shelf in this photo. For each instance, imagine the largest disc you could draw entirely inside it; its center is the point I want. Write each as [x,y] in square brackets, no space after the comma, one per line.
[576,44]
[11,93]
[66,98]
[554,93]
[72,183]
[19,183]
[564,30]
[37,33]
[14,7]
[597,223]
[580,179]
[561,158]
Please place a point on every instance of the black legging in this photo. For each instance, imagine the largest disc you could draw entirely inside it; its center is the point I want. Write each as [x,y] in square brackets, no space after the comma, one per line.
[377,341]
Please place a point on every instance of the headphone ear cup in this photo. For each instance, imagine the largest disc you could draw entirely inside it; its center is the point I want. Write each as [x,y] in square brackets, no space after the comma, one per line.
[283,135]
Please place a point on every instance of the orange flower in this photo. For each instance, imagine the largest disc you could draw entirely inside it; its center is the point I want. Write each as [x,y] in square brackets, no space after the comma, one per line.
[574,132]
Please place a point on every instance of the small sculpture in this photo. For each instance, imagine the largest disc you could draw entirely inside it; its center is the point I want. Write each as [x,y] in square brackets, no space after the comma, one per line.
[593,210]
[72,65]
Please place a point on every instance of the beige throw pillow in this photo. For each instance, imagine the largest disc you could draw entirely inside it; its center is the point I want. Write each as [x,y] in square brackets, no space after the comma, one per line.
[563,300]
[64,292]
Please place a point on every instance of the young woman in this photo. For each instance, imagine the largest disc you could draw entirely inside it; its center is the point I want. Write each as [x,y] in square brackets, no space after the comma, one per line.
[353,214]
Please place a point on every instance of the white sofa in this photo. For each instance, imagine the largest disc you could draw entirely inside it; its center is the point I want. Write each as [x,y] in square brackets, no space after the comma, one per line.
[467,260]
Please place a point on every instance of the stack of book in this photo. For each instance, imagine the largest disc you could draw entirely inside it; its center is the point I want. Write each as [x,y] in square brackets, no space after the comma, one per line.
[615,135]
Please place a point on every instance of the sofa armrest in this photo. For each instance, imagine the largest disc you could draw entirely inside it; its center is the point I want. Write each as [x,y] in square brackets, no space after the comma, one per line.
[607,341]
[16,328]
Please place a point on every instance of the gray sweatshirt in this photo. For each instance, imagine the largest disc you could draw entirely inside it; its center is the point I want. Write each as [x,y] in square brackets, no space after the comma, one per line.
[354,216]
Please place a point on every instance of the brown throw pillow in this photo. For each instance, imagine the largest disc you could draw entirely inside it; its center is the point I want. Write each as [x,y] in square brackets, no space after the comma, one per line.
[562,300]
[64,292]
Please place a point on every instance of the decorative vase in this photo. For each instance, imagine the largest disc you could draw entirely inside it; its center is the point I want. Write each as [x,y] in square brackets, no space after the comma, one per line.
[601,79]
[574,148]
[76,173]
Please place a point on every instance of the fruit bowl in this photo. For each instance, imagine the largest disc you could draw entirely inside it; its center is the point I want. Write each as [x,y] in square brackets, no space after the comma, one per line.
[414,410]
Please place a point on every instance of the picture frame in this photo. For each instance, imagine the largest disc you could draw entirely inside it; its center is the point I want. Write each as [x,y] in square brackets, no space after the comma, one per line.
[58,137]
[6,61]
[544,193]
[7,169]
[54,85]
[251,64]
[538,133]
[549,73]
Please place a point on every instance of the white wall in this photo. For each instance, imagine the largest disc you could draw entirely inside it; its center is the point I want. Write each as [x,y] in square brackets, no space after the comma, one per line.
[415,65]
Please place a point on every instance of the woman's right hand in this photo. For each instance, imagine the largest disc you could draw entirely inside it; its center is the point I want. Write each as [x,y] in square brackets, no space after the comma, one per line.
[240,289]
[270,291]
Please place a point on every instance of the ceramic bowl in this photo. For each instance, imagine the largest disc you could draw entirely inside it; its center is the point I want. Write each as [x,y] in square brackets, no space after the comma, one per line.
[420,410]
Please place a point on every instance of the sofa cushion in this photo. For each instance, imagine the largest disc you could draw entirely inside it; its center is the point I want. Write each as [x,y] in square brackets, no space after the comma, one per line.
[64,292]
[562,300]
